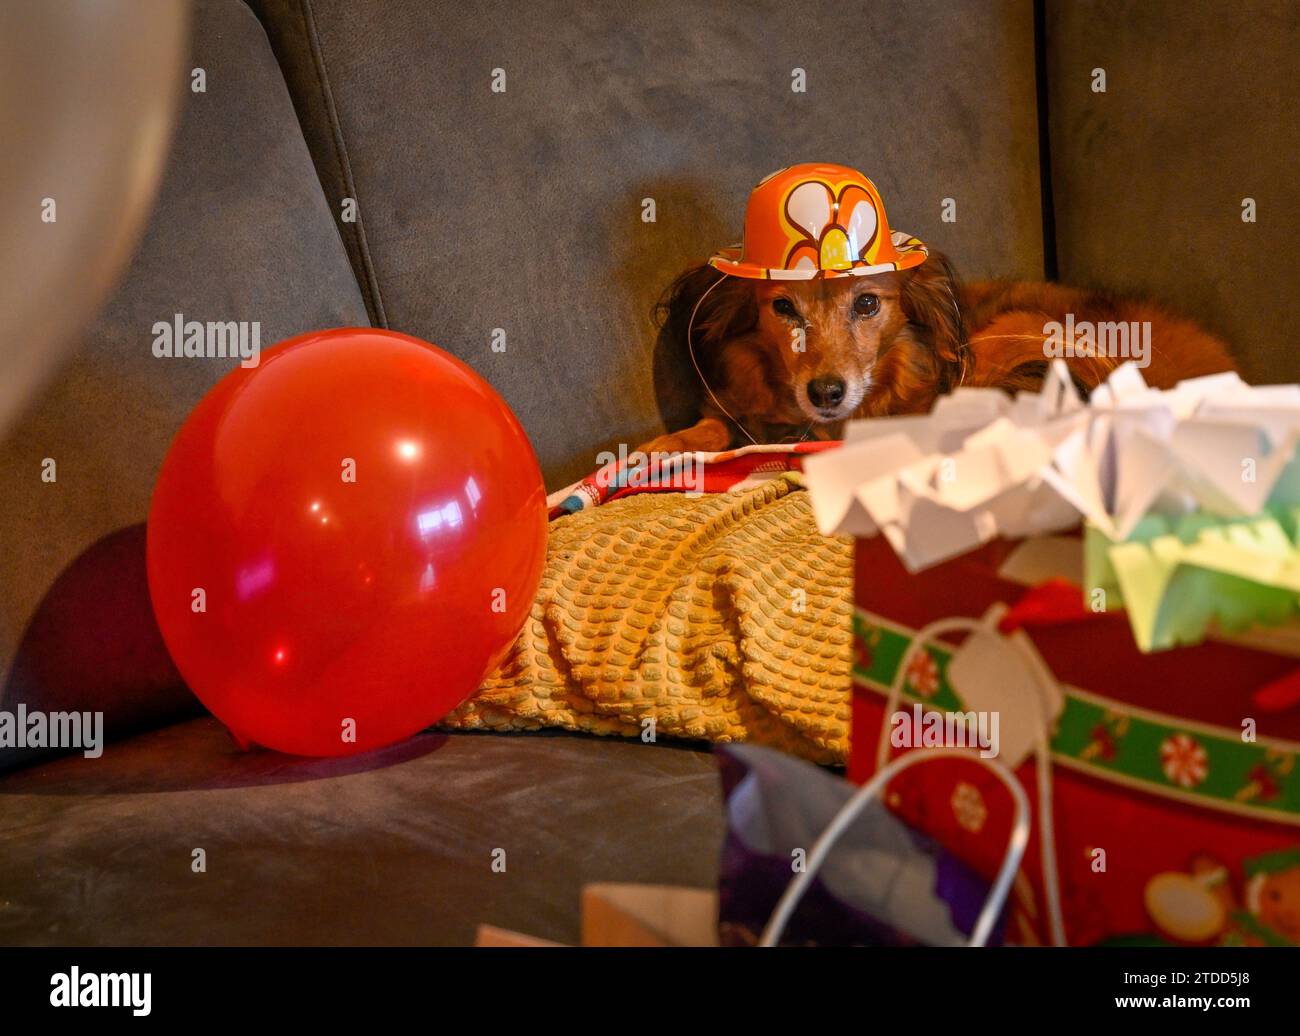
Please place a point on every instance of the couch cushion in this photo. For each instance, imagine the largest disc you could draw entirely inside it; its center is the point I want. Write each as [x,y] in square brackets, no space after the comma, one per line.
[522,210]
[242,232]
[1200,112]
[395,847]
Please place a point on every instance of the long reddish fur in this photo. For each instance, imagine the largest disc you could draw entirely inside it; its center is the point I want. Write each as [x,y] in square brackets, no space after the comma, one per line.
[985,333]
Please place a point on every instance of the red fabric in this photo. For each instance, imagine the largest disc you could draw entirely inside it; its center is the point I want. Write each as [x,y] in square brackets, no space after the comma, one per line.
[1281,695]
[1055,601]
[695,472]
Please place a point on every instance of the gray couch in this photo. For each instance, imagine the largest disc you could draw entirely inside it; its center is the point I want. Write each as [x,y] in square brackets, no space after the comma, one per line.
[522,211]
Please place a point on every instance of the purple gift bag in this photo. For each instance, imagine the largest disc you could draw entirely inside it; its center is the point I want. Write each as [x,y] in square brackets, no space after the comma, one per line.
[812,860]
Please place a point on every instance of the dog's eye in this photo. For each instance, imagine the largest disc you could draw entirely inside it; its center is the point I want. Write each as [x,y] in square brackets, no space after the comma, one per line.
[785,307]
[866,305]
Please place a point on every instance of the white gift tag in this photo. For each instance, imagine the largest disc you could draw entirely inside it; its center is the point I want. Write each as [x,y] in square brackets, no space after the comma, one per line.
[990,675]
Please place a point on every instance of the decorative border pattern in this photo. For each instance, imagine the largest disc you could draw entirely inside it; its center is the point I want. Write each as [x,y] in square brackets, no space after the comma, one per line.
[1164,755]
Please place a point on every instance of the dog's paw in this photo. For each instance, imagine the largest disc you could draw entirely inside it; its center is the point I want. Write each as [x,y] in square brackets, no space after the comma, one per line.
[669,444]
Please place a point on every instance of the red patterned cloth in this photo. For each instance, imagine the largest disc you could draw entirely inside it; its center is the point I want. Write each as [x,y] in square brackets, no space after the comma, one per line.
[682,473]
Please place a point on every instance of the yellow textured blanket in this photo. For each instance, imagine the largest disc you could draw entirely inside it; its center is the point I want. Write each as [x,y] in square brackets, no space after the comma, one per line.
[724,617]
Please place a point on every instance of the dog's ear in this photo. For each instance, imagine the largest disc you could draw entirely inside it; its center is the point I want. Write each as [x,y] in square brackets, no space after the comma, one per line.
[929,298]
[730,307]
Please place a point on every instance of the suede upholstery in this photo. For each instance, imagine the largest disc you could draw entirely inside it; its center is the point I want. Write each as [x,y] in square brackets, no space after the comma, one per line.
[1201,110]
[395,847]
[522,210]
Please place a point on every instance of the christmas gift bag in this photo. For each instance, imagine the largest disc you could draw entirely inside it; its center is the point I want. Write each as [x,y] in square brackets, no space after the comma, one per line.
[1160,647]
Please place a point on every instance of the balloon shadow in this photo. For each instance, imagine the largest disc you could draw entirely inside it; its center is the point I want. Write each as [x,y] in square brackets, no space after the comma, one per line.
[93,646]
[199,755]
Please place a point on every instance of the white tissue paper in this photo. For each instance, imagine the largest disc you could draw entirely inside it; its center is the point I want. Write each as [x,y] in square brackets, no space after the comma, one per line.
[983,465]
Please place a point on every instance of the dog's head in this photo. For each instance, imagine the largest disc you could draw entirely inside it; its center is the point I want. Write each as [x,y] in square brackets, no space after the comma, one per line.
[880,344]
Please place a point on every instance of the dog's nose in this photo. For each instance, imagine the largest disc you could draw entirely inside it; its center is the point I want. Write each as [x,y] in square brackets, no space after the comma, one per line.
[826,391]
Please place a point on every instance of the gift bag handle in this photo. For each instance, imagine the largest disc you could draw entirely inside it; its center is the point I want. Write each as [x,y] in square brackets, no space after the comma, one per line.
[849,812]
[1020,646]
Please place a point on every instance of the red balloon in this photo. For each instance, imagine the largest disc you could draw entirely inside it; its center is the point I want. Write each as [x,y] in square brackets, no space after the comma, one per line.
[344,540]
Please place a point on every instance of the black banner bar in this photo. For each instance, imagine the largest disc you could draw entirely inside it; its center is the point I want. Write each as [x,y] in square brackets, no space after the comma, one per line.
[144,986]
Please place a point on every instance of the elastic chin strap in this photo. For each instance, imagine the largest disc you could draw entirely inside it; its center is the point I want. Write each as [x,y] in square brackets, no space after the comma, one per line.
[964,361]
[690,345]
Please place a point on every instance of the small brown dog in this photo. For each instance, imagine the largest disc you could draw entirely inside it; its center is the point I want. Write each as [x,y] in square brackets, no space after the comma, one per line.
[796,359]
[824,315]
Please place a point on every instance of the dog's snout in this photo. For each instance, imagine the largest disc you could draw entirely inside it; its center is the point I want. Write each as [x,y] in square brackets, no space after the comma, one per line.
[826,391]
